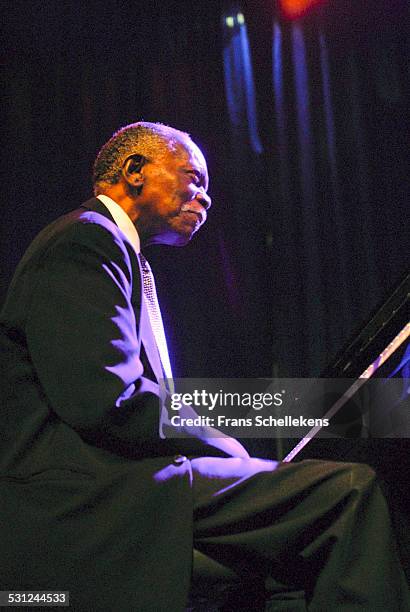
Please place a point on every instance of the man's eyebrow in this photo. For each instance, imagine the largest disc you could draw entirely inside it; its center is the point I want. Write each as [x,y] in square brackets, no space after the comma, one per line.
[197,173]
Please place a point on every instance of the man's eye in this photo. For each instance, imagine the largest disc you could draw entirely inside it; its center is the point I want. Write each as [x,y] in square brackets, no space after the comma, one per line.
[195,178]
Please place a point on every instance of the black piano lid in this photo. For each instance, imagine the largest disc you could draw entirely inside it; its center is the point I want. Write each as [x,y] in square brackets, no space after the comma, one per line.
[386,321]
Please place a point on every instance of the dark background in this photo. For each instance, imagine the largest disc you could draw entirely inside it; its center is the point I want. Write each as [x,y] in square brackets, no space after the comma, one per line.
[297,252]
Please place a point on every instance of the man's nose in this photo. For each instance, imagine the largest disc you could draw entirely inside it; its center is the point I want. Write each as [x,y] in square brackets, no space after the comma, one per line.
[203,198]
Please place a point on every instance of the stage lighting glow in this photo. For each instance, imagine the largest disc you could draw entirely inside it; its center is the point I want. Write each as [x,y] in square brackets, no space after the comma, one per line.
[296,8]
[238,19]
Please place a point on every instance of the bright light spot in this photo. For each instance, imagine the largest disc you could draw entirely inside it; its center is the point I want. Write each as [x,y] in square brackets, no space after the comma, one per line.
[229,22]
[296,8]
[240,18]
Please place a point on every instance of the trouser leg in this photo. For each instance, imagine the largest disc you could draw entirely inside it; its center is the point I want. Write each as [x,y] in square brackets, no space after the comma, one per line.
[321,526]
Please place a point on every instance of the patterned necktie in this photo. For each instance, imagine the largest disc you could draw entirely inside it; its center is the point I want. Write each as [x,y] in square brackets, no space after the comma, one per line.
[155,318]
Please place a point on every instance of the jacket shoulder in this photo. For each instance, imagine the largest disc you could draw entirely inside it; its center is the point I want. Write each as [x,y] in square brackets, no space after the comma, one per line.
[81,225]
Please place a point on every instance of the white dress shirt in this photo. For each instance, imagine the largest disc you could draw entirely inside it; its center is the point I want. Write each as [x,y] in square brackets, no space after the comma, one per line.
[122,220]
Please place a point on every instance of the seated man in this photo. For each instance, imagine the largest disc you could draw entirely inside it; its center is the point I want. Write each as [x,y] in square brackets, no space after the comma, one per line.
[94,501]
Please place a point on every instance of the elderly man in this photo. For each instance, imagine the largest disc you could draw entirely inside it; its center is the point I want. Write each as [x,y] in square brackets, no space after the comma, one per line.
[94,500]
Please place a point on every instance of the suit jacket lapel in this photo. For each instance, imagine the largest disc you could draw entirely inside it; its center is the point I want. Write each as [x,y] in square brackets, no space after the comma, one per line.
[145,334]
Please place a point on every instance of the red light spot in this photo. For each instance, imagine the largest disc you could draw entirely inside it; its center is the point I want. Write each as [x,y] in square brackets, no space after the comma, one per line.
[296,8]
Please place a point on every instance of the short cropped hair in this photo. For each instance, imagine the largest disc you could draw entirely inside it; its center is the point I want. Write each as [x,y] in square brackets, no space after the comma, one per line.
[149,140]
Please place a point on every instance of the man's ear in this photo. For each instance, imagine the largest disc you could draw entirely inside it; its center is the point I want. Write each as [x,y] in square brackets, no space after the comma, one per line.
[131,171]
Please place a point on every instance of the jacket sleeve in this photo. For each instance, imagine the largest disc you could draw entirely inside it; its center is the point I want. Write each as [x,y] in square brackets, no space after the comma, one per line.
[83,339]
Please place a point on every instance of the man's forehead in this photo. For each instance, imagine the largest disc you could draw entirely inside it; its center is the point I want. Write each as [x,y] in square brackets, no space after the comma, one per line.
[185,154]
[192,154]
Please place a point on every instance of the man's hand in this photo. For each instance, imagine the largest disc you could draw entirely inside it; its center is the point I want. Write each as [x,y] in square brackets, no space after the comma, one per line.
[210,436]
[227,445]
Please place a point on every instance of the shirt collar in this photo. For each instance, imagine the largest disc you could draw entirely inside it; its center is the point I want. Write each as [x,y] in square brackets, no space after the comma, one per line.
[122,220]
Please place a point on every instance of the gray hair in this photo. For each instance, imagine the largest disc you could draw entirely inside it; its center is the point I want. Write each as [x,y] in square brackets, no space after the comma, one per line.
[149,140]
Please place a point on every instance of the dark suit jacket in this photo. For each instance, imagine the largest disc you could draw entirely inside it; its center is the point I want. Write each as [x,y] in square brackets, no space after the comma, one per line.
[81,507]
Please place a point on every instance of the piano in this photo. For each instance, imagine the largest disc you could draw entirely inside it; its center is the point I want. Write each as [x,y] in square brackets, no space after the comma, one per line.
[389,457]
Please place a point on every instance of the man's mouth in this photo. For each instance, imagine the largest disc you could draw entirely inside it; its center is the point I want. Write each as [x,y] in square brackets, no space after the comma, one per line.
[200,214]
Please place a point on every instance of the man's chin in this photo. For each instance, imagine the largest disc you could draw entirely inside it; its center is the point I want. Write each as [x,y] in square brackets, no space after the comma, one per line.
[179,239]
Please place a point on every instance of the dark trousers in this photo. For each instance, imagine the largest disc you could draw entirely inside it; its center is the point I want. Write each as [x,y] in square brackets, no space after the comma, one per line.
[323,527]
